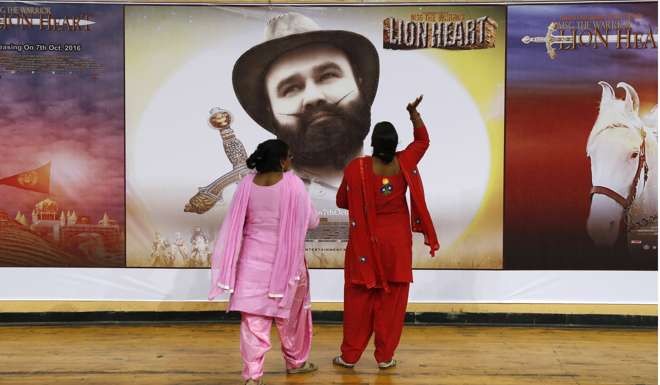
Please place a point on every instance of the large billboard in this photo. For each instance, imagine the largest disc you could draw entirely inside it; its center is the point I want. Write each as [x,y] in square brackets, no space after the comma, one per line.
[253,70]
[62,124]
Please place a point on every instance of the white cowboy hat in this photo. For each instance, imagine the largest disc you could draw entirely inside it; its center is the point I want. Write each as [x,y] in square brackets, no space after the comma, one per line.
[285,33]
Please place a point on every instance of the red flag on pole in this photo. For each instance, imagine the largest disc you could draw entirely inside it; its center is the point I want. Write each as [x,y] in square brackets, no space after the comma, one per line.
[33,180]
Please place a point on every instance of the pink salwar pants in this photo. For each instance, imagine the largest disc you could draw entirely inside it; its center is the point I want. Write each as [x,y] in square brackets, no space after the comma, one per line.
[295,336]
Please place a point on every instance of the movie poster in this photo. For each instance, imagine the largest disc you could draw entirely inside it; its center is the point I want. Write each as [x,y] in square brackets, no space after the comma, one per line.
[581,137]
[62,119]
[201,95]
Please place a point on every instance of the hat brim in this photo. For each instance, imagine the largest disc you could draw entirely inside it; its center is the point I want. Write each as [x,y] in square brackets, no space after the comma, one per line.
[249,69]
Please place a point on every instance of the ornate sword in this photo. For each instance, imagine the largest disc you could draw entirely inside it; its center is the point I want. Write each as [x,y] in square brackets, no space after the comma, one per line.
[209,195]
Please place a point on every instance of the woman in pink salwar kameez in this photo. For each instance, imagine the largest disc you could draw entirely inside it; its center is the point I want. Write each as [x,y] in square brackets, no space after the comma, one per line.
[259,258]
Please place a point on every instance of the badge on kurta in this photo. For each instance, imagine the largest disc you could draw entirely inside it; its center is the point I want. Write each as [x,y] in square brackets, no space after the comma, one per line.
[386,188]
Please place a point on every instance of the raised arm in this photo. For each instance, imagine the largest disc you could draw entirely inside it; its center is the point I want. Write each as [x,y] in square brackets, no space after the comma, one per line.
[421,141]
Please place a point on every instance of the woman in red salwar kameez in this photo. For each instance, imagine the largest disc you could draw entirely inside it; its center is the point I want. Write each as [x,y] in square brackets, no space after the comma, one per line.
[378,262]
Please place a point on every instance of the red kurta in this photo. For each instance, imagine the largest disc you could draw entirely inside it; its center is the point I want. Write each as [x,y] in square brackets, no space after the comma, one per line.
[392,227]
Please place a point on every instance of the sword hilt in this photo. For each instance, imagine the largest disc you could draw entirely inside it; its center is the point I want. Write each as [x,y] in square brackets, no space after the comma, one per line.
[550,40]
[208,196]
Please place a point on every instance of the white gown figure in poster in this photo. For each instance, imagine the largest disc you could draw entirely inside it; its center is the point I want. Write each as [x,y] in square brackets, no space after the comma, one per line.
[157,250]
[181,255]
[201,253]
[622,147]
[168,254]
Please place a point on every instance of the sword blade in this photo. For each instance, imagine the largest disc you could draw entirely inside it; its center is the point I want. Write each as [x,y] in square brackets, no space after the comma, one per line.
[586,39]
[37,22]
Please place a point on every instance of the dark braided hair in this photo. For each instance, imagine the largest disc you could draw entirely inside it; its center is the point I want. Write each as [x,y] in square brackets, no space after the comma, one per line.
[268,156]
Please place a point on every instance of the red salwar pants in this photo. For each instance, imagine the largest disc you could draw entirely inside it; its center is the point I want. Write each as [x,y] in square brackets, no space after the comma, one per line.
[368,311]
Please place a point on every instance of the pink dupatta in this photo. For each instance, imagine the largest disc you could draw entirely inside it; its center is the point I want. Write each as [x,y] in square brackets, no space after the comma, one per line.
[297,215]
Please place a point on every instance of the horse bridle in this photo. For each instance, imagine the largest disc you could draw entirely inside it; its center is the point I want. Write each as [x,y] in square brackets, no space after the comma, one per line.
[627,202]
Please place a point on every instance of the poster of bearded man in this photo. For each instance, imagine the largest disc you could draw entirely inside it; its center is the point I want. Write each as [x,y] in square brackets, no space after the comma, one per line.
[222,80]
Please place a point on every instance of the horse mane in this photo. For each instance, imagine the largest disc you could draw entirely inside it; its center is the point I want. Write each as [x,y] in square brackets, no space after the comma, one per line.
[651,122]
[614,116]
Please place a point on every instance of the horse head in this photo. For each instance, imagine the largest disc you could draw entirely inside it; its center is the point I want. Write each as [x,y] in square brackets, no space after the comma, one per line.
[616,147]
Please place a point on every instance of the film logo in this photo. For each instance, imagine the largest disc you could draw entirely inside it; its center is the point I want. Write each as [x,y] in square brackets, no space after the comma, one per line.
[439,30]
[43,19]
[571,33]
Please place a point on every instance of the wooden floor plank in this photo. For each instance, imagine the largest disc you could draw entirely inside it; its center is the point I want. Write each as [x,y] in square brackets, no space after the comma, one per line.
[208,354]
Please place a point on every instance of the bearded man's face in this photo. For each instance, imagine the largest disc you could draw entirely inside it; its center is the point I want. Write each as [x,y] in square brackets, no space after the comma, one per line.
[317,106]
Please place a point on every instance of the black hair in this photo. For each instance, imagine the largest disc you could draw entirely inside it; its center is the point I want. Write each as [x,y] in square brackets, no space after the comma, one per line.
[384,140]
[268,156]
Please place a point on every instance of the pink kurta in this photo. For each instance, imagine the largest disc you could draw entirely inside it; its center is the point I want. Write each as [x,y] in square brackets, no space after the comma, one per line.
[258,251]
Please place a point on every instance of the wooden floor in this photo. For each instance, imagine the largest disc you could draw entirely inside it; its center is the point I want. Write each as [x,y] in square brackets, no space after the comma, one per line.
[208,354]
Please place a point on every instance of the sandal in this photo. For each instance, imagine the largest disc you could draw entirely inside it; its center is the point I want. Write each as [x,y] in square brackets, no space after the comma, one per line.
[255,382]
[307,367]
[387,365]
[340,362]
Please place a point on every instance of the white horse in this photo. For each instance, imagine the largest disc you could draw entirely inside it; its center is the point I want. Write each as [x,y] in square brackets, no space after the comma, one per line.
[624,174]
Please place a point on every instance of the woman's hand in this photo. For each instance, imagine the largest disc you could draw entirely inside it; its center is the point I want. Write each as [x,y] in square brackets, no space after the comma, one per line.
[412,106]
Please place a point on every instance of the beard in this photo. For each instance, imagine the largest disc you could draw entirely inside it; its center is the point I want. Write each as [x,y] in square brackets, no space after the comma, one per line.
[327,135]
